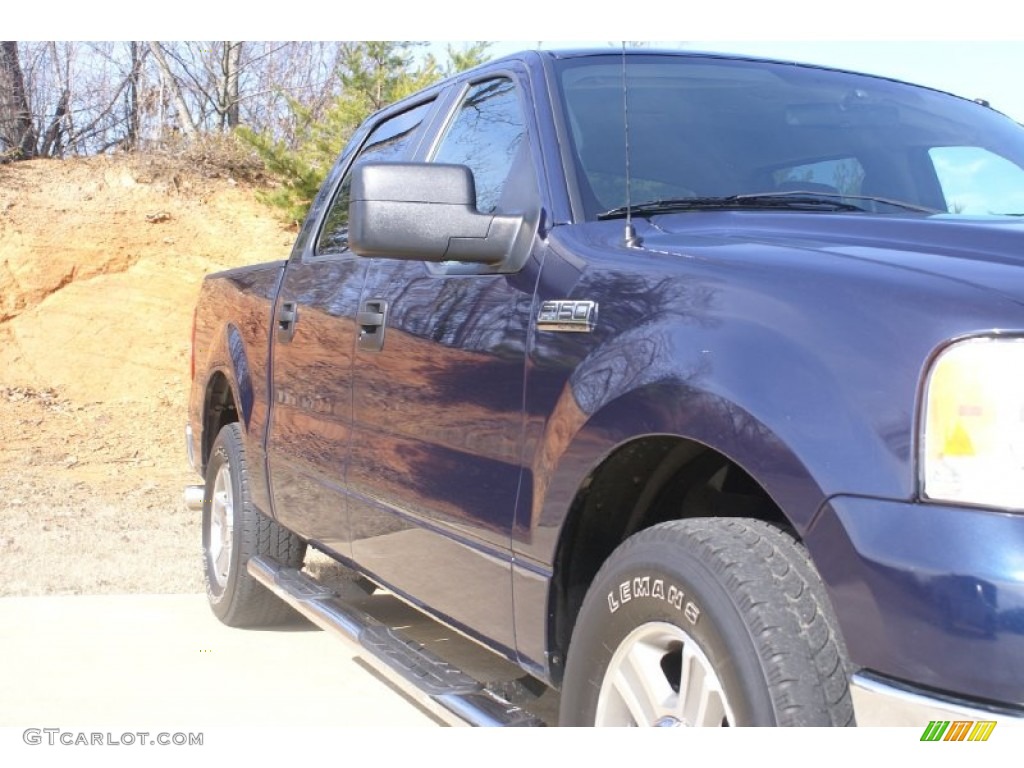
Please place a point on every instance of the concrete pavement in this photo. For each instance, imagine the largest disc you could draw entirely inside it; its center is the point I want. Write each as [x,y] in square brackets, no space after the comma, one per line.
[165,661]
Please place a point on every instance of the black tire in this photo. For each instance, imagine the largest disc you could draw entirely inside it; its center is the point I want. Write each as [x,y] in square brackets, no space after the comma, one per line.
[233,531]
[735,602]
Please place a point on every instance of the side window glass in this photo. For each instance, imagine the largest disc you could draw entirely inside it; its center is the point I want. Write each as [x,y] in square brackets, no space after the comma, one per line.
[390,140]
[486,135]
[976,181]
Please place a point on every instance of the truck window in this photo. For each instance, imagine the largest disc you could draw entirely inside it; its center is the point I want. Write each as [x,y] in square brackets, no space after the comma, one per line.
[391,140]
[487,135]
[843,175]
[712,127]
[978,182]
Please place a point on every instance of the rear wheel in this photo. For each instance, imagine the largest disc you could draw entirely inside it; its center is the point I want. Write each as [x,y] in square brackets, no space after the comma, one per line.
[706,622]
[234,531]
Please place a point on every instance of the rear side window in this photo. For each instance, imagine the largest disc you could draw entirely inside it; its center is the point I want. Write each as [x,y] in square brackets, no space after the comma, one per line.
[391,140]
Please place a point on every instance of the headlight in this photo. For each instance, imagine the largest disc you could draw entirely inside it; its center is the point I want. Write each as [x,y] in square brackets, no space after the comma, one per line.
[973,446]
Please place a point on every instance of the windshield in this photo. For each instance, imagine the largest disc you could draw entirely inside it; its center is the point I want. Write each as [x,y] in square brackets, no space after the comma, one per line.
[707,127]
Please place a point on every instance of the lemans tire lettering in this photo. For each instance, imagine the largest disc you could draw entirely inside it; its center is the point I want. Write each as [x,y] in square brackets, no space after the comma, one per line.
[650,587]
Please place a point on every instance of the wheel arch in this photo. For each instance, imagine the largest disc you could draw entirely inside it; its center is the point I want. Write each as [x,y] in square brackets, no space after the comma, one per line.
[228,395]
[712,460]
[219,408]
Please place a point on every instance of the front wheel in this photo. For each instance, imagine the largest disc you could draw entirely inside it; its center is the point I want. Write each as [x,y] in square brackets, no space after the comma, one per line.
[706,622]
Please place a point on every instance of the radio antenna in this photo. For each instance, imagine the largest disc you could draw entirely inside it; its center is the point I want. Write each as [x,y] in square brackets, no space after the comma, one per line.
[632,241]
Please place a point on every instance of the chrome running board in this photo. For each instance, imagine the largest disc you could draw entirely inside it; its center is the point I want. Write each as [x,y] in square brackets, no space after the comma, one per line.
[441,688]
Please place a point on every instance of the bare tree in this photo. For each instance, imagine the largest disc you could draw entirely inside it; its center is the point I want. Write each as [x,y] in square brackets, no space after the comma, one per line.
[187,124]
[17,130]
[65,97]
[277,76]
[133,106]
[230,60]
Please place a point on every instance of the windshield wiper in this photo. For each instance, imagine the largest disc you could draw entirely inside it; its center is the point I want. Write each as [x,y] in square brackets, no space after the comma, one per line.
[902,204]
[792,201]
[784,201]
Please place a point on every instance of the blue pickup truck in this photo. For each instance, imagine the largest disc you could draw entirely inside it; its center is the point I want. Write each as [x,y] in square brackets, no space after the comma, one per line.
[691,385]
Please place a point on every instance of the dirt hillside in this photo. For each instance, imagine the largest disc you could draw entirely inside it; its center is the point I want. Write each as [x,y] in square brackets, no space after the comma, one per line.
[100,264]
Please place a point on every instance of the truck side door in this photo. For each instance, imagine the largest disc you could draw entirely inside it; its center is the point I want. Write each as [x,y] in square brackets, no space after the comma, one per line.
[438,393]
[314,338]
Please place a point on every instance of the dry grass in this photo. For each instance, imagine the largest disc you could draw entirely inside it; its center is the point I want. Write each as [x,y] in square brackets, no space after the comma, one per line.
[211,156]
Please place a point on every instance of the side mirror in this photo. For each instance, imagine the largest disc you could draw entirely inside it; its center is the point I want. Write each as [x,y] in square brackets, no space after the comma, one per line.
[425,212]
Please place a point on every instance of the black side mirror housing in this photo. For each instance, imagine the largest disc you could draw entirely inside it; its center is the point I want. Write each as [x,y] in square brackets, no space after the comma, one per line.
[425,212]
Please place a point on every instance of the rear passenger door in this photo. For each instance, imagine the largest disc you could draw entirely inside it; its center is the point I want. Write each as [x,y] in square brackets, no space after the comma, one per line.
[438,392]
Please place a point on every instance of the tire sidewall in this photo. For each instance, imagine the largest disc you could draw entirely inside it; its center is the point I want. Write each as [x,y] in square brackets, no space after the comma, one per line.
[655,582]
[226,449]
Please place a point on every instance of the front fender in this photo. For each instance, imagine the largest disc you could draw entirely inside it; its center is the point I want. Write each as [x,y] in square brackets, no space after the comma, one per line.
[745,390]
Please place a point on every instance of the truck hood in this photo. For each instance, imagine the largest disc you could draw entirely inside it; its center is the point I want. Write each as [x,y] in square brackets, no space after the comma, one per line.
[987,252]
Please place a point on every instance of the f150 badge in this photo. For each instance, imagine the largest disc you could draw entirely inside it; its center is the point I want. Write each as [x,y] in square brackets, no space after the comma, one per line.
[567,315]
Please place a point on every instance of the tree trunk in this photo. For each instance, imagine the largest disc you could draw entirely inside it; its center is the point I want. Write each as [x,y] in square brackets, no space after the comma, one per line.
[133,106]
[17,131]
[232,61]
[52,143]
[188,125]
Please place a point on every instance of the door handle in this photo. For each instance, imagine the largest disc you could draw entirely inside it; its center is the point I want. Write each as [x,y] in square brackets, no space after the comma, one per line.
[287,317]
[372,320]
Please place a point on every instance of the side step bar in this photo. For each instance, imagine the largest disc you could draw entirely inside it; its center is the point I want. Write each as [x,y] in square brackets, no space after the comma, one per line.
[441,688]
